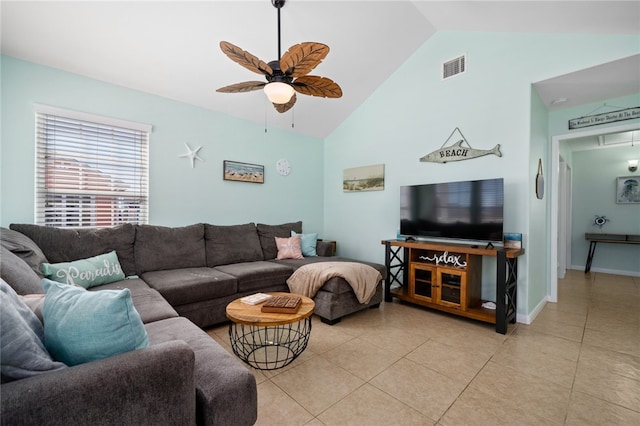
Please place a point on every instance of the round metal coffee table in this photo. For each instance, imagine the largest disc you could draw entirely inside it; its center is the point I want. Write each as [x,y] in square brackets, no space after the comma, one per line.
[267,341]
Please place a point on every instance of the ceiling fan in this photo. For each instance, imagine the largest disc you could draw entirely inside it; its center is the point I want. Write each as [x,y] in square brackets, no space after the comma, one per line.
[285,75]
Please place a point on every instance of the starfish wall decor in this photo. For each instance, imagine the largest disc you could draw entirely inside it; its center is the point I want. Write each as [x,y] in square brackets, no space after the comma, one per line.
[192,154]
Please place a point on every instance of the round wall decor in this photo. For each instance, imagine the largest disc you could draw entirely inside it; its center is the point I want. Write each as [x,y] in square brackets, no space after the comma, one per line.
[283,167]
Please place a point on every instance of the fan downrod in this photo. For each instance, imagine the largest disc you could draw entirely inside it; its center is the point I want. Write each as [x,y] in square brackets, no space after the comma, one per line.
[278,5]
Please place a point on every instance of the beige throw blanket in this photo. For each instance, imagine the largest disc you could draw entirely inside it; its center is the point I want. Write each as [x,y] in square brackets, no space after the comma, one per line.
[308,279]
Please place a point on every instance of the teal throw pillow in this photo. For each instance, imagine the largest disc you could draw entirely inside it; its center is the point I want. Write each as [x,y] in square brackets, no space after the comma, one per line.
[308,243]
[97,270]
[82,326]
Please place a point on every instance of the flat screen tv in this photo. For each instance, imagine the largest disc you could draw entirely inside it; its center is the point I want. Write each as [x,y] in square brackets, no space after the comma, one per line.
[467,210]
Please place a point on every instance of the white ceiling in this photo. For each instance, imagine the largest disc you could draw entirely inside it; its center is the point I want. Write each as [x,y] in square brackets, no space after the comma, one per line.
[171,48]
[605,81]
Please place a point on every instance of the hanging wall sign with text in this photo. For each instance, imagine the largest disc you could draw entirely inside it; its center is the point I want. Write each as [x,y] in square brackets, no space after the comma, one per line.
[455,260]
[458,151]
[607,117]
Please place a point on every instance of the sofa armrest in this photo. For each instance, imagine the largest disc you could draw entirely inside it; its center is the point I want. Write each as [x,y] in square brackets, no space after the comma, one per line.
[149,386]
[324,248]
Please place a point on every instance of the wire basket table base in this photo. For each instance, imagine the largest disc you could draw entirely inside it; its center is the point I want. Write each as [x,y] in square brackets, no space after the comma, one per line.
[269,347]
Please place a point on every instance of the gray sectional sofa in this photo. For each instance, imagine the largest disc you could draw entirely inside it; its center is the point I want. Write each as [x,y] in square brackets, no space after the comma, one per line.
[180,279]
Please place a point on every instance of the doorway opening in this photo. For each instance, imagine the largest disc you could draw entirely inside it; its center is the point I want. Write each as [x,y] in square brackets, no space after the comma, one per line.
[561,203]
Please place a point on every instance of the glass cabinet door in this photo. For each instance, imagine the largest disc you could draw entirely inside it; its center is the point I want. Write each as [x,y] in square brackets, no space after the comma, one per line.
[423,282]
[451,288]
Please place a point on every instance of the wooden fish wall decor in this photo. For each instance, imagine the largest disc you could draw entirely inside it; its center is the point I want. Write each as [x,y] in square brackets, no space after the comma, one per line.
[458,152]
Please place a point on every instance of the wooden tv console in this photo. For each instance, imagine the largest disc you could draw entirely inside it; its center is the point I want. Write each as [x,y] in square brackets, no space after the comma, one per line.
[448,277]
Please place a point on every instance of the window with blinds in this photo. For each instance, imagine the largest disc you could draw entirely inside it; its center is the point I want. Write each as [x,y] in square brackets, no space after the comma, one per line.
[91,171]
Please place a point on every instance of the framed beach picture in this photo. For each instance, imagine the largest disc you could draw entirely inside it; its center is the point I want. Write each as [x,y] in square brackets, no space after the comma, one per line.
[362,179]
[628,190]
[243,172]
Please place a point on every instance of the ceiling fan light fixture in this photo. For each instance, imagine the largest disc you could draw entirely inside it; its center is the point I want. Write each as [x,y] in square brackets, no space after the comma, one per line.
[286,75]
[278,92]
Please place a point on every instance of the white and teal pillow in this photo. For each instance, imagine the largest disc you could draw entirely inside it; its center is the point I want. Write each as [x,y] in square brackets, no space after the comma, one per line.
[82,326]
[93,271]
[308,243]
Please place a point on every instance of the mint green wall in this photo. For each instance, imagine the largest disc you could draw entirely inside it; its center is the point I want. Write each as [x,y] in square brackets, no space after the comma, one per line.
[414,112]
[594,188]
[179,195]
[538,242]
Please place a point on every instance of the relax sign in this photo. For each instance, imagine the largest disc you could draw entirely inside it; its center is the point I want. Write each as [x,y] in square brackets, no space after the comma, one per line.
[446,258]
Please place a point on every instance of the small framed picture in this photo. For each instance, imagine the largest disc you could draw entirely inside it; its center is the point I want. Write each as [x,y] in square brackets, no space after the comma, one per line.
[512,241]
[243,172]
[628,190]
[362,179]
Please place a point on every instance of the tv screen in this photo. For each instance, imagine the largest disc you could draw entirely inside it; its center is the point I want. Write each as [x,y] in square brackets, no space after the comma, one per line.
[467,210]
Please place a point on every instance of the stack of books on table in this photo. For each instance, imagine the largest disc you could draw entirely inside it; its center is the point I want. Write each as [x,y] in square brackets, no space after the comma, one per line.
[255,299]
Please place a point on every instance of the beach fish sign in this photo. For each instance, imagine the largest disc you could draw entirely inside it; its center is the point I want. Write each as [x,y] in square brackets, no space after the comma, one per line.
[458,152]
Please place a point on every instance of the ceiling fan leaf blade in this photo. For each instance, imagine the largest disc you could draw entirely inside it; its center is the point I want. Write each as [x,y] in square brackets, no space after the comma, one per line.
[246,59]
[317,86]
[302,58]
[286,107]
[246,86]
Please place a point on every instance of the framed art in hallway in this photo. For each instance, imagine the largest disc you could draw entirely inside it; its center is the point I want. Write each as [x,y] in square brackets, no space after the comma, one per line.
[628,190]
[243,172]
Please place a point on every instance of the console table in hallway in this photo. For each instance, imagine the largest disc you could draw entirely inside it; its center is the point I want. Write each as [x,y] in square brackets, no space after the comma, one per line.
[595,238]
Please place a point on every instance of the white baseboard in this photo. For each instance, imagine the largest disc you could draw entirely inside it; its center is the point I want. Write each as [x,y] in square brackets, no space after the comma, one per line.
[528,319]
[608,271]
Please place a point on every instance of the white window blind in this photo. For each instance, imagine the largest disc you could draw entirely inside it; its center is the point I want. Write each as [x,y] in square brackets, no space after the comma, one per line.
[91,171]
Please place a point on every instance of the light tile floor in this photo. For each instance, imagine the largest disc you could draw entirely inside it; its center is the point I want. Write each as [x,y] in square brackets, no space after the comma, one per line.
[577,364]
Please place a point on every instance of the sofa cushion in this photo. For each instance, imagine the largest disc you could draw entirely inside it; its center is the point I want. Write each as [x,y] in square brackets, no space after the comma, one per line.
[226,391]
[66,245]
[149,303]
[18,274]
[23,247]
[188,285]
[334,285]
[268,233]
[82,326]
[22,351]
[254,276]
[152,386]
[160,248]
[289,248]
[296,263]
[89,272]
[232,244]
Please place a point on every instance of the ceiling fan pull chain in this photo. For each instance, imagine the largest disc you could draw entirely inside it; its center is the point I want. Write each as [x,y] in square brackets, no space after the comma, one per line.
[293,118]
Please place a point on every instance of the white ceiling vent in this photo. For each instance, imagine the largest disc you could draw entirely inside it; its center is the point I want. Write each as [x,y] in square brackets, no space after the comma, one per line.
[454,67]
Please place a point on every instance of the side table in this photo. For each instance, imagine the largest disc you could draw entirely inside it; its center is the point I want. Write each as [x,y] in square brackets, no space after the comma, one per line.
[267,341]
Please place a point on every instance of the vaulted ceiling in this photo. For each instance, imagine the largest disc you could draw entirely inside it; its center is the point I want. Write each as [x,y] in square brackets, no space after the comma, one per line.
[171,48]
